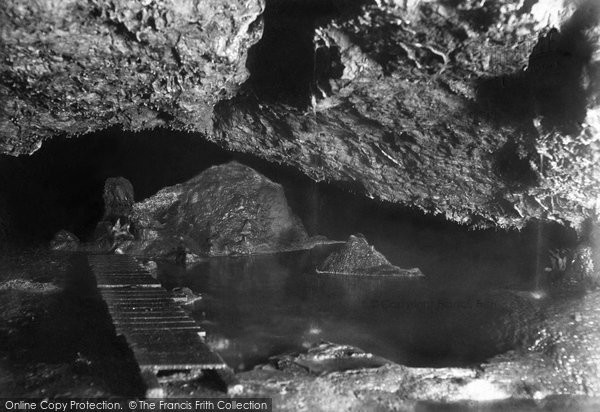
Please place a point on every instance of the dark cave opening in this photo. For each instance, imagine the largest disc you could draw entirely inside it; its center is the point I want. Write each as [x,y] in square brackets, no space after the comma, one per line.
[60,187]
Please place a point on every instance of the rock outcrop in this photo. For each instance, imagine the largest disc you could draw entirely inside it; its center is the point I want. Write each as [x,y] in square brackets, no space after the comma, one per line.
[581,272]
[227,209]
[65,241]
[475,111]
[118,198]
[327,357]
[562,360]
[357,257]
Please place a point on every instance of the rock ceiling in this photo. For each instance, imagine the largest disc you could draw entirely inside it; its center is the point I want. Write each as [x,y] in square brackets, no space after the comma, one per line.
[478,111]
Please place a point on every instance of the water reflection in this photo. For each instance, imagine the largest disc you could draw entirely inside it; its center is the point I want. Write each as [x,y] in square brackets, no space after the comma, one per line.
[256,307]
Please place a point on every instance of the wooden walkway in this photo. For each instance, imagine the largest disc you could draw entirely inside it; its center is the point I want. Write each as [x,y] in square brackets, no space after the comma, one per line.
[163,337]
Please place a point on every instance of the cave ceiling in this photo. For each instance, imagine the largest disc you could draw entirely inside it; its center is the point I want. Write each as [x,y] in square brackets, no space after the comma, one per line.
[485,112]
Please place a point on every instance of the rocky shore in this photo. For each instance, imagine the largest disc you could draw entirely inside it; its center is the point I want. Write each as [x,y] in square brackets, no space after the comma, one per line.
[559,368]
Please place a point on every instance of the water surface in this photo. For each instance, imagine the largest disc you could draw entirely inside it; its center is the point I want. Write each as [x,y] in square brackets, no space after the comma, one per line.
[260,306]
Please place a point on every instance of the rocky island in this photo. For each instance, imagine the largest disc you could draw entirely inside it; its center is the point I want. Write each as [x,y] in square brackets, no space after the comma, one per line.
[357,257]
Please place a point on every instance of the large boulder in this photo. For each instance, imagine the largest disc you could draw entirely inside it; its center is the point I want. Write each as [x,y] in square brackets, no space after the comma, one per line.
[65,241]
[227,209]
[577,269]
[581,272]
[118,198]
[357,257]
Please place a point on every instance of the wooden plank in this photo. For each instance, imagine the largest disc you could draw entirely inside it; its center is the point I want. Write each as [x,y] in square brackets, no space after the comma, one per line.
[131,309]
[127,262]
[120,269]
[110,286]
[131,280]
[139,301]
[180,360]
[134,280]
[113,275]
[133,292]
[145,312]
[122,283]
[166,299]
[131,326]
[175,338]
[139,305]
[190,341]
[142,304]
[165,303]
[127,330]
[157,323]
[126,280]
[171,318]
[140,327]
[149,298]
[171,360]
[169,340]
[192,328]
[134,297]
[137,293]
[201,355]
[122,272]
[129,313]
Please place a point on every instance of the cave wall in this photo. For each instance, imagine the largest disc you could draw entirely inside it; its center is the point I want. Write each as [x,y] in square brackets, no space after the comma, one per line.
[478,112]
